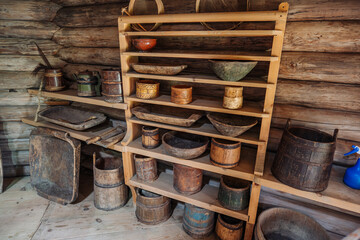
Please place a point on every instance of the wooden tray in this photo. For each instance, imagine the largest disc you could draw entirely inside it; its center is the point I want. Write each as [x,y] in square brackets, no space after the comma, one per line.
[73,118]
[157,68]
[168,115]
[54,165]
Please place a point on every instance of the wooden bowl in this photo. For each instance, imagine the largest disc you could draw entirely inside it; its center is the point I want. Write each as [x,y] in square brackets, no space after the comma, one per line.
[144,44]
[158,69]
[232,70]
[181,94]
[184,145]
[147,89]
[231,125]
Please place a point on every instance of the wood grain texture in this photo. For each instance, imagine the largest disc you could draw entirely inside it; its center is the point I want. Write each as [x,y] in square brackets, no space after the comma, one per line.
[15,113]
[21,46]
[27,29]
[36,10]
[69,69]
[10,158]
[1,173]
[319,95]
[14,130]
[14,144]
[19,80]
[17,98]
[25,63]
[97,56]
[86,2]
[16,170]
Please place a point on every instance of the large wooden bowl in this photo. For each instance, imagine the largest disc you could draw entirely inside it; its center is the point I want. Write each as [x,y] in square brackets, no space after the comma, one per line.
[231,125]
[184,145]
[232,70]
[158,69]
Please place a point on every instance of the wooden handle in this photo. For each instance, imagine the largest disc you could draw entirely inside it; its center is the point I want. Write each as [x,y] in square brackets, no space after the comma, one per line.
[94,158]
[97,138]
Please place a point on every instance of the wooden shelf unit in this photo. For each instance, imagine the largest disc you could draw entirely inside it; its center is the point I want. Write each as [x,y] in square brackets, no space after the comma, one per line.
[252,165]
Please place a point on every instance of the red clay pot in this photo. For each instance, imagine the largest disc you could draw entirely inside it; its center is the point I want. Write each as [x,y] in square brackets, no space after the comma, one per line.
[144,44]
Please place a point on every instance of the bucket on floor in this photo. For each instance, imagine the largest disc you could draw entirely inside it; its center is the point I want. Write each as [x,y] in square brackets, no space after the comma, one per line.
[110,192]
[228,228]
[234,193]
[304,158]
[146,168]
[152,208]
[187,180]
[198,222]
[287,224]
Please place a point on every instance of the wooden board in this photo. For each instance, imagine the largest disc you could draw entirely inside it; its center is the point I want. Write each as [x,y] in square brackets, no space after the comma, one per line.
[14,144]
[13,158]
[21,46]
[206,198]
[19,97]
[25,63]
[19,80]
[15,113]
[15,130]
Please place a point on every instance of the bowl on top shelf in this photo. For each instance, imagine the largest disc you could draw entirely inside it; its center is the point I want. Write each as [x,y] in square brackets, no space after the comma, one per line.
[232,70]
[184,145]
[231,125]
[144,44]
[158,69]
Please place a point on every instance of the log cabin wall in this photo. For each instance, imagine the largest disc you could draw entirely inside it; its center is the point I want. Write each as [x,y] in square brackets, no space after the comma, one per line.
[21,22]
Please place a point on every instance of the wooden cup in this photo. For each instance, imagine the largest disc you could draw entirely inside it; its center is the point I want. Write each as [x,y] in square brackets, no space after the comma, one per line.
[233,92]
[150,137]
[181,94]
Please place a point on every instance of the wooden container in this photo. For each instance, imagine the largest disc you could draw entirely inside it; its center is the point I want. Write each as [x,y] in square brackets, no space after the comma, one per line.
[53,80]
[150,137]
[147,89]
[198,222]
[110,192]
[112,91]
[113,75]
[146,168]
[234,193]
[282,223]
[181,94]
[86,88]
[233,92]
[224,153]
[228,228]
[232,102]
[187,180]
[304,158]
[152,208]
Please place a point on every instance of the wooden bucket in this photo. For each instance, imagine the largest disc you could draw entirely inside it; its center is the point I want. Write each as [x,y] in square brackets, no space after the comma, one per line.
[152,208]
[150,137]
[304,158]
[113,75]
[234,193]
[110,192]
[146,168]
[86,88]
[224,153]
[228,228]
[282,223]
[112,91]
[147,89]
[198,222]
[187,180]
[181,94]
[53,80]
[233,97]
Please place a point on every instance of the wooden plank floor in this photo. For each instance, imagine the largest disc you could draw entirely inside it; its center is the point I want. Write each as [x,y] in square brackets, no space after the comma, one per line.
[25,215]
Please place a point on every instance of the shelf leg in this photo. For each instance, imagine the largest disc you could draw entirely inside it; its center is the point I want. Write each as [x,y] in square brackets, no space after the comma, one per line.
[249,230]
[253,206]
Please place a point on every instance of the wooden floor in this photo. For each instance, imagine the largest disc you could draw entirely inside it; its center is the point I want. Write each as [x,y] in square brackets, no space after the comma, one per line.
[25,215]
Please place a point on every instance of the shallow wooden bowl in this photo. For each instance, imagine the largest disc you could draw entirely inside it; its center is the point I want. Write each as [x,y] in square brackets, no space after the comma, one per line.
[147,89]
[158,69]
[144,44]
[184,145]
[231,125]
[232,70]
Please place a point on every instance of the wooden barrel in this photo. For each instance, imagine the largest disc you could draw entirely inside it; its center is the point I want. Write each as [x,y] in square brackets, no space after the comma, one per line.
[110,192]
[152,208]
[150,137]
[228,228]
[224,153]
[304,158]
[147,89]
[146,168]
[112,91]
[54,80]
[187,180]
[113,75]
[181,94]
[198,222]
[234,193]
[282,223]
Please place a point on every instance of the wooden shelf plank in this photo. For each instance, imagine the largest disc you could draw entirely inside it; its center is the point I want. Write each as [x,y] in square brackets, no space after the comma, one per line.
[71,95]
[337,194]
[245,169]
[201,78]
[205,129]
[206,198]
[80,135]
[253,56]
[212,105]
[224,33]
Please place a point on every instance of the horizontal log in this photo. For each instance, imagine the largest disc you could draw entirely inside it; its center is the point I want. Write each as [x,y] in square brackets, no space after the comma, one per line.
[328,67]
[70,69]
[342,146]
[17,98]
[68,3]
[19,80]
[15,158]
[35,10]
[7,145]
[319,95]
[25,63]
[15,113]
[27,29]
[19,46]
[16,171]
[15,130]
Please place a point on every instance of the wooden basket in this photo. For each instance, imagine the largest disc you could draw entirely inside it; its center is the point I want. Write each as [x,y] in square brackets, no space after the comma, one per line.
[140,28]
[147,89]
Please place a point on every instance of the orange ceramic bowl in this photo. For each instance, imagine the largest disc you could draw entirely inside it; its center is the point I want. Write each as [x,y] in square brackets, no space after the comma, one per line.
[143,44]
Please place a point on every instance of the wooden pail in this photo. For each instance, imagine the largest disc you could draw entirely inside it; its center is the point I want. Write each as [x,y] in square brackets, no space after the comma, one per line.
[198,222]
[146,168]
[150,137]
[224,153]
[228,228]
[111,86]
[234,193]
[187,180]
[54,80]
